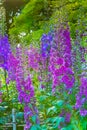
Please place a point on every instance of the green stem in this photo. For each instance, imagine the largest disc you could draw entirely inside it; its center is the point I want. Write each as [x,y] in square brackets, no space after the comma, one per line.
[5,75]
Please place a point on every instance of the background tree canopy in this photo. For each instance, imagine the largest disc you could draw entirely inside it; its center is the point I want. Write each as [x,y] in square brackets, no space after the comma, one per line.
[12,8]
[38,14]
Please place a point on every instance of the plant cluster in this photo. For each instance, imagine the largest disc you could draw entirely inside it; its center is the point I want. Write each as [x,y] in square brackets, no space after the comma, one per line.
[50,80]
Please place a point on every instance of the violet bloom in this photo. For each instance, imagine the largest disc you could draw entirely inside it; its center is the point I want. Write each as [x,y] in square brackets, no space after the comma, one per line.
[24,85]
[78,55]
[27,126]
[45,49]
[33,58]
[68,81]
[0,97]
[46,41]
[69,71]
[27,112]
[81,97]
[83,87]
[5,50]
[21,96]
[30,87]
[42,86]
[67,117]
[60,61]
[11,64]
[78,102]
[83,112]
[40,78]
[47,38]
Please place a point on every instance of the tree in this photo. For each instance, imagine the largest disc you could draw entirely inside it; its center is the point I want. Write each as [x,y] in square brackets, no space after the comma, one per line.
[12,8]
[2,18]
[39,15]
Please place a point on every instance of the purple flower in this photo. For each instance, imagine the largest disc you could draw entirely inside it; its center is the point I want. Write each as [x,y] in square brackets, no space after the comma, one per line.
[21,96]
[83,112]
[69,71]
[67,117]
[78,102]
[81,97]
[65,78]
[46,41]
[27,98]
[68,81]
[27,125]
[5,50]
[42,86]
[60,61]
[33,58]
[46,38]
[11,65]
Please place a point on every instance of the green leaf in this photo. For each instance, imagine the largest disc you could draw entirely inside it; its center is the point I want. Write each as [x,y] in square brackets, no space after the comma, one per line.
[14,100]
[44,127]
[83,123]
[1,121]
[69,127]
[57,121]
[33,127]
[2,108]
[19,115]
[75,124]
[34,118]
[43,98]
[38,127]
[71,0]
[69,106]
[51,109]
[59,103]
[64,129]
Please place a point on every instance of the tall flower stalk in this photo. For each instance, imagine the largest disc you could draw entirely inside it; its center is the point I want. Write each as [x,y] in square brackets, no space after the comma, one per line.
[5,50]
[25,89]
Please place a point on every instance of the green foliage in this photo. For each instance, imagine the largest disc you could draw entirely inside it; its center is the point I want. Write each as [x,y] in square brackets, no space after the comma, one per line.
[19,115]
[69,127]
[55,121]
[49,106]
[9,101]
[33,17]
[33,127]
[38,13]
[84,41]
[34,117]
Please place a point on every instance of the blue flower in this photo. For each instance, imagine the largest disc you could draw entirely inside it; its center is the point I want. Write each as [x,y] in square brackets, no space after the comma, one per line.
[46,44]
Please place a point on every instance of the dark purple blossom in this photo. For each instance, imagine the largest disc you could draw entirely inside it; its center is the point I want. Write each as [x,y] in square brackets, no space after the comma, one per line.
[46,42]
[5,50]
